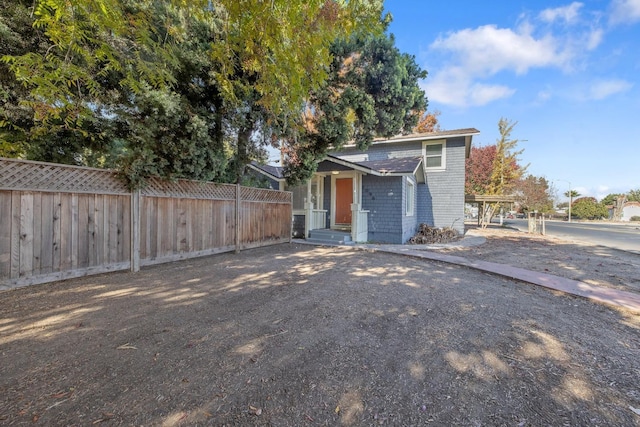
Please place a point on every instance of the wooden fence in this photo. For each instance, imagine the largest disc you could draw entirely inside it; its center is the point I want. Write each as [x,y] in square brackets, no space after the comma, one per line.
[58,222]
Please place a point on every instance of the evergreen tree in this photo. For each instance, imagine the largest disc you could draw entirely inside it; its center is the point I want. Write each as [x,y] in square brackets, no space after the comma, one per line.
[372,90]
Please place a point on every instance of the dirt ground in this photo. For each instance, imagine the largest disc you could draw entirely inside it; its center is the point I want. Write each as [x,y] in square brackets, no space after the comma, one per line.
[297,335]
[592,264]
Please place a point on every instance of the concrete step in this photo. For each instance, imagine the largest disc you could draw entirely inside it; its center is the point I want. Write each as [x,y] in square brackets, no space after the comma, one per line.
[329,236]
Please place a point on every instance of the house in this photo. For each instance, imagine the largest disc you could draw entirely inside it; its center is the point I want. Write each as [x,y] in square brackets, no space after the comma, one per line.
[630,210]
[383,193]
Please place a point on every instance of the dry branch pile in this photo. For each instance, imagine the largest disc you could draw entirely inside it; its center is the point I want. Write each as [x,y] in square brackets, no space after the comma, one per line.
[428,235]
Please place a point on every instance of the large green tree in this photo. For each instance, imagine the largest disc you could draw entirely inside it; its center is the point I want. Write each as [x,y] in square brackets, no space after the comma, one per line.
[17,37]
[372,90]
[172,86]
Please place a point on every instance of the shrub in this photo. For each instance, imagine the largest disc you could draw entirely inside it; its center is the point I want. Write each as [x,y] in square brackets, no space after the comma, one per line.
[588,208]
[635,218]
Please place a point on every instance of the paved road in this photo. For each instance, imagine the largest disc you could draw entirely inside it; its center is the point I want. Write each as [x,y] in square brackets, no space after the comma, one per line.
[618,236]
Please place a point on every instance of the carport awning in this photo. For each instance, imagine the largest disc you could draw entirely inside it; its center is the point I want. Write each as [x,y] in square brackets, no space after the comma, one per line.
[489,198]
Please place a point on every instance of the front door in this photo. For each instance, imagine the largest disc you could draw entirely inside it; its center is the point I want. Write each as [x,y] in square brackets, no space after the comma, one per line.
[344,199]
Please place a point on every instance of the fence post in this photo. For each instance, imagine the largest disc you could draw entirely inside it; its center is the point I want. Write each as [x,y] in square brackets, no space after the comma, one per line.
[237,218]
[135,230]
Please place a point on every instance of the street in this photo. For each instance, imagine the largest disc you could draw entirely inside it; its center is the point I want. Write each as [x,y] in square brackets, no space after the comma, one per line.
[618,236]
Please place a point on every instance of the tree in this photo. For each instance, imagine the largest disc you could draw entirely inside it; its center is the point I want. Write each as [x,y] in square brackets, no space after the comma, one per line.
[506,170]
[172,87]
[534,194]
[17,37]
[571,194]
[589,208]
[372,90]
[633,195]
[478,168]
[610,199]
[428,122]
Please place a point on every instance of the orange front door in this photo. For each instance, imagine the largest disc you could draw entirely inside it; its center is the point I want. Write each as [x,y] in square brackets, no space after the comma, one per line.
[344,199]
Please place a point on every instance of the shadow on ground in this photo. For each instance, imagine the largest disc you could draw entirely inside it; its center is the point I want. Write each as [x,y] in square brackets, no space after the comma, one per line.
[299,335]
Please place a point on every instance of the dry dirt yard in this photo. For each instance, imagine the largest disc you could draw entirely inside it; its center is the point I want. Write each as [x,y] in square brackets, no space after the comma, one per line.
[297,335]
[592,264]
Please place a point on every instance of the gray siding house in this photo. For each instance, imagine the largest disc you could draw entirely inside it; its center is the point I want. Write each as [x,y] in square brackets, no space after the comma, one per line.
[382,194]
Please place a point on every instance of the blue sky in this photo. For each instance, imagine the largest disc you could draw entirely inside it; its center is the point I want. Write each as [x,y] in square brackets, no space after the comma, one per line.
[567,72]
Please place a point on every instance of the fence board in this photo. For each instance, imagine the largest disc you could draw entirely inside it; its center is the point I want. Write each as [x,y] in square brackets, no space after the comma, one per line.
[26,234]
[5,233]
[37,233]
[83,236]
[112,230]
[92,259]
[98,229]
[125,224]
[66,228]
[15,234]
[57,232]
[46,232]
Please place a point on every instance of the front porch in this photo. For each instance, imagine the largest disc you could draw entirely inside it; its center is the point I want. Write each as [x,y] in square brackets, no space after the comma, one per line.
[329,206]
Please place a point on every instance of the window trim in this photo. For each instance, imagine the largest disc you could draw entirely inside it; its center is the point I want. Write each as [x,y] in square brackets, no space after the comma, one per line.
[410,208]
[443,155]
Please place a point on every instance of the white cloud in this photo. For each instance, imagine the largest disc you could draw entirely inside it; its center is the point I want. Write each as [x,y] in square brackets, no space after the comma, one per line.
[605,88]
[454,87]
[568,14]
[472,57]
[489,49]
[625,11]
[594,38]
[480,54]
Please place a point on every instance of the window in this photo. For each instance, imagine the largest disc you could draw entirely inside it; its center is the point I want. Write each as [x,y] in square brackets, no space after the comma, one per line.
[410,198]
[434,155]
[299,196]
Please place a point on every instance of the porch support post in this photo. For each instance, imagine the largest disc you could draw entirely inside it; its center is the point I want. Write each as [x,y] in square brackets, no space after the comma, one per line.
[355,208]
[308,211]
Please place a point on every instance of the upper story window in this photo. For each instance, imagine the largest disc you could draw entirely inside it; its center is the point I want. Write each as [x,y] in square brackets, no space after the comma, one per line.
[434,155]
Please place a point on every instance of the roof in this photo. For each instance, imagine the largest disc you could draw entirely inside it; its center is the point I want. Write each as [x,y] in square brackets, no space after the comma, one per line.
[425,136]
[393,166]
[390,167]
[274,172]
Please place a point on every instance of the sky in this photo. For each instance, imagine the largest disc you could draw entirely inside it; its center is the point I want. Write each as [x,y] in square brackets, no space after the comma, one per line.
[567,72]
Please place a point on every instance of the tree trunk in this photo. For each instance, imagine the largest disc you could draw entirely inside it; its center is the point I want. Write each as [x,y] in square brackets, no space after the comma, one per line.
[242,158]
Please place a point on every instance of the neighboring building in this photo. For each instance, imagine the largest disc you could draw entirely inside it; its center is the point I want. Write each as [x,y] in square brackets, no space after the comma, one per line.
[383,193]
[629,210]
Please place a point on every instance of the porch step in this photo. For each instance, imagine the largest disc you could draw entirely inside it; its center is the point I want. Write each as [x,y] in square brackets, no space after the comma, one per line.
[334,237]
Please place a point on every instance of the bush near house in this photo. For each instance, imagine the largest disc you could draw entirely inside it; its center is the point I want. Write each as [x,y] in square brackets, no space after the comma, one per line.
[635,218]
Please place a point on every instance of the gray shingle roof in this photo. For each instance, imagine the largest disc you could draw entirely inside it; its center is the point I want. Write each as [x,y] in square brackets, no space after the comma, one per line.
[275,171]
[392,166]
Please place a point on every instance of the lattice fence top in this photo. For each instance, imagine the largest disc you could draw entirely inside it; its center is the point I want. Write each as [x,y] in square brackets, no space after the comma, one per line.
[263,195]
[39,176]
[27,175]
[189,189]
